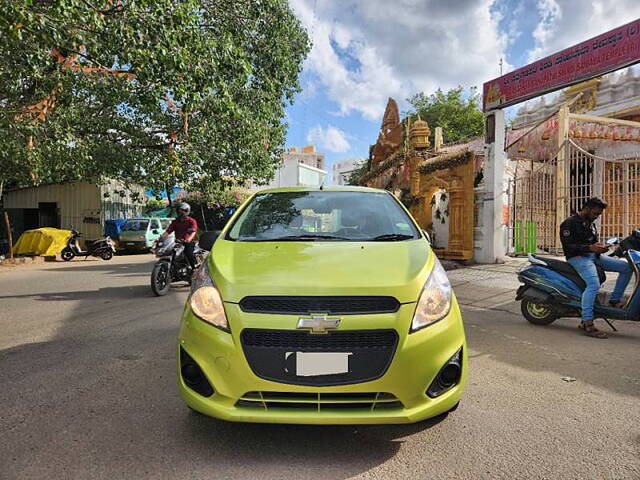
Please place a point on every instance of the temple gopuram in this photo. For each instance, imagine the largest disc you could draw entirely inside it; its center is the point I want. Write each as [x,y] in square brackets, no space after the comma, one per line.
[437,187]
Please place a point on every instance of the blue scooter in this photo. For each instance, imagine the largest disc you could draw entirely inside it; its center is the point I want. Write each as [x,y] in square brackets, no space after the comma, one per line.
[552,288]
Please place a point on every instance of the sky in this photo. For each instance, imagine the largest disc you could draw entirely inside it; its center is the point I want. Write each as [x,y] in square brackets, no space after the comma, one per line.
[365,51]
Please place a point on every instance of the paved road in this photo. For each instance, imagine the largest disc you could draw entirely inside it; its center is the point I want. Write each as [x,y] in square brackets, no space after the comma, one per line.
[88,391]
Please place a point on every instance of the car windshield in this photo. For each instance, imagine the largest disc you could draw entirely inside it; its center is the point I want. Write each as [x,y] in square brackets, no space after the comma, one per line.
[323,216]
[135,225]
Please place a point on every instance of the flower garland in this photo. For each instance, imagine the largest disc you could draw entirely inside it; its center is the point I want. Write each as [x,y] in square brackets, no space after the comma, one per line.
[447,160]
[392,161]
[432,162]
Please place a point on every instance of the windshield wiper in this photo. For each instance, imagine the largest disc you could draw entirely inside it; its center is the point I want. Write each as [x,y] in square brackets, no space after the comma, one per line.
[391,237]
[308,237]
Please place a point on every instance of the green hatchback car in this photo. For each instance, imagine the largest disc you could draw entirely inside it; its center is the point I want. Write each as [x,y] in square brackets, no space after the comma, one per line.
[321,306]
[141,233]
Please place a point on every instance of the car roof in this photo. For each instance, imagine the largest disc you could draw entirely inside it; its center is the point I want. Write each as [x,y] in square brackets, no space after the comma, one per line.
[346,188]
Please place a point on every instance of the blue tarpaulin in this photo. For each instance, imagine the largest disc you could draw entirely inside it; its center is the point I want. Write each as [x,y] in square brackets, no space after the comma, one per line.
[112,227]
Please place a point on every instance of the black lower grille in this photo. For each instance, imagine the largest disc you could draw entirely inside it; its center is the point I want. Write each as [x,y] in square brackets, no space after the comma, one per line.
[320,402]
[272,354]
[329,305]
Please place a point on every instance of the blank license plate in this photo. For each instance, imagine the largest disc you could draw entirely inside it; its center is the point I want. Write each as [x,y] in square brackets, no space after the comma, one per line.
[309,364]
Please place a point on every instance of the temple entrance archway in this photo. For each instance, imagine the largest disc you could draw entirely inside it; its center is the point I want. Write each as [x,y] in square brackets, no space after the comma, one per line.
[550,187]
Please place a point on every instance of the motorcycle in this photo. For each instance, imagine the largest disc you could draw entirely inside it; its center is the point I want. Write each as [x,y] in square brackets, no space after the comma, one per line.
[103,248]
[552,288]
[172,265]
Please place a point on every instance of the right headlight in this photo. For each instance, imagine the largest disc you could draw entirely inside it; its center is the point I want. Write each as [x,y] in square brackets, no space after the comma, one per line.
[435,300]
[206,302]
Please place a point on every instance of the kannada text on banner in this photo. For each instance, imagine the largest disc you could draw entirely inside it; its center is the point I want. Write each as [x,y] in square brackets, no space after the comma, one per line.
[615,49]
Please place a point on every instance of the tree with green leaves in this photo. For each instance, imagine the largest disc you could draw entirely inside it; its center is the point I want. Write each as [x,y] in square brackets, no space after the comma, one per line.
[156,92]
[459,114]
[358,173]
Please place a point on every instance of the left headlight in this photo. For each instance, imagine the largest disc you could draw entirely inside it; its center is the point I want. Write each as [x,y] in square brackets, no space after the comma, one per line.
[435,300]
[206,302]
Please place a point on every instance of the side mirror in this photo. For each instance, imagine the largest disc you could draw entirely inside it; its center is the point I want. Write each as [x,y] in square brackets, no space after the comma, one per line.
[426,234]
[613,241]
[155,232]
[207,239]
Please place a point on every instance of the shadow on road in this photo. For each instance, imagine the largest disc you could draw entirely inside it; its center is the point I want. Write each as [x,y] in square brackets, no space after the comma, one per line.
[108,293]
[310,451]
[101,394]
[504,334]
[103,295]
[104,267]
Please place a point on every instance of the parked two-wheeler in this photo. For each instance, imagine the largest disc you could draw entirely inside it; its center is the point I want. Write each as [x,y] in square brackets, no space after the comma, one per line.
[552,288]
[103,248]
[172,265]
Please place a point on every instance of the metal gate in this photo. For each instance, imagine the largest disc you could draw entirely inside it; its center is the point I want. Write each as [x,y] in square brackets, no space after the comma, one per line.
[532,207]
[537,202]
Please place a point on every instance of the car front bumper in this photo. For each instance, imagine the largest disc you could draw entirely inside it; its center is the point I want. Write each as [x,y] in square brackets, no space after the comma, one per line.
[418,358]
[133,245]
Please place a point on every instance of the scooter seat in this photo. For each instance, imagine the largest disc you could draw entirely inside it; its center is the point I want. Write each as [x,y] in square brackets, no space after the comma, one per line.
[566,270]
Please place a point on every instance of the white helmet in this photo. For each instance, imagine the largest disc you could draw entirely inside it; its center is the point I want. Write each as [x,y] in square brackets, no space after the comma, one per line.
[184,207]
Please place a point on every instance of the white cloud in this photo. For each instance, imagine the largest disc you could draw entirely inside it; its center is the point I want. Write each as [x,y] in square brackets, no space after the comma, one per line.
[564,23]
[366,51]
[332,139]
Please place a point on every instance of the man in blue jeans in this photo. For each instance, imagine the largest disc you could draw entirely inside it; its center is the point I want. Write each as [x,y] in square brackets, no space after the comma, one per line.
[583,250]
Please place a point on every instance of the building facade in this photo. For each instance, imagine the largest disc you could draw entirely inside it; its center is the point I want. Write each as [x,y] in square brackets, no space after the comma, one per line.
[298,169]
[306,155]
[83,206]
[343,169]
[616,95]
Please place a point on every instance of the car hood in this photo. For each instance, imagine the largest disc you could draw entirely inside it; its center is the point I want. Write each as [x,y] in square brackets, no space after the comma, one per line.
[397,269]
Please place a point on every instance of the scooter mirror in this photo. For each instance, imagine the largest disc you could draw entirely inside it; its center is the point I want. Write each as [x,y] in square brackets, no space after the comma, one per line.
[613,241]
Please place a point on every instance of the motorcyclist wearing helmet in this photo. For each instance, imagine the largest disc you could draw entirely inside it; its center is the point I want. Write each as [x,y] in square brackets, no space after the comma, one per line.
[184,227]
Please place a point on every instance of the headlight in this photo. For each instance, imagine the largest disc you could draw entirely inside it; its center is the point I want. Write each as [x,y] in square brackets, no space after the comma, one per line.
[206,302]
[435,300]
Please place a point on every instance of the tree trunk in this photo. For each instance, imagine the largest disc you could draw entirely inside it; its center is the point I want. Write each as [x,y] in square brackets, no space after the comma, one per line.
[168,195]
[9,236]
[204,220]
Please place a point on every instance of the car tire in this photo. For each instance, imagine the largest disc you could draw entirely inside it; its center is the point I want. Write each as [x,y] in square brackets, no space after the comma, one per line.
[160,279]
[67,254]
[538,314]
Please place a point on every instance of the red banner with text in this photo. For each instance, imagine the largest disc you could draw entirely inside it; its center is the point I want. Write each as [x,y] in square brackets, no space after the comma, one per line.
[610,51]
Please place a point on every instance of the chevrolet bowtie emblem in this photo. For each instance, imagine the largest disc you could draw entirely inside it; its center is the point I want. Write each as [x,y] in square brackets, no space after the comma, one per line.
[318,323]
